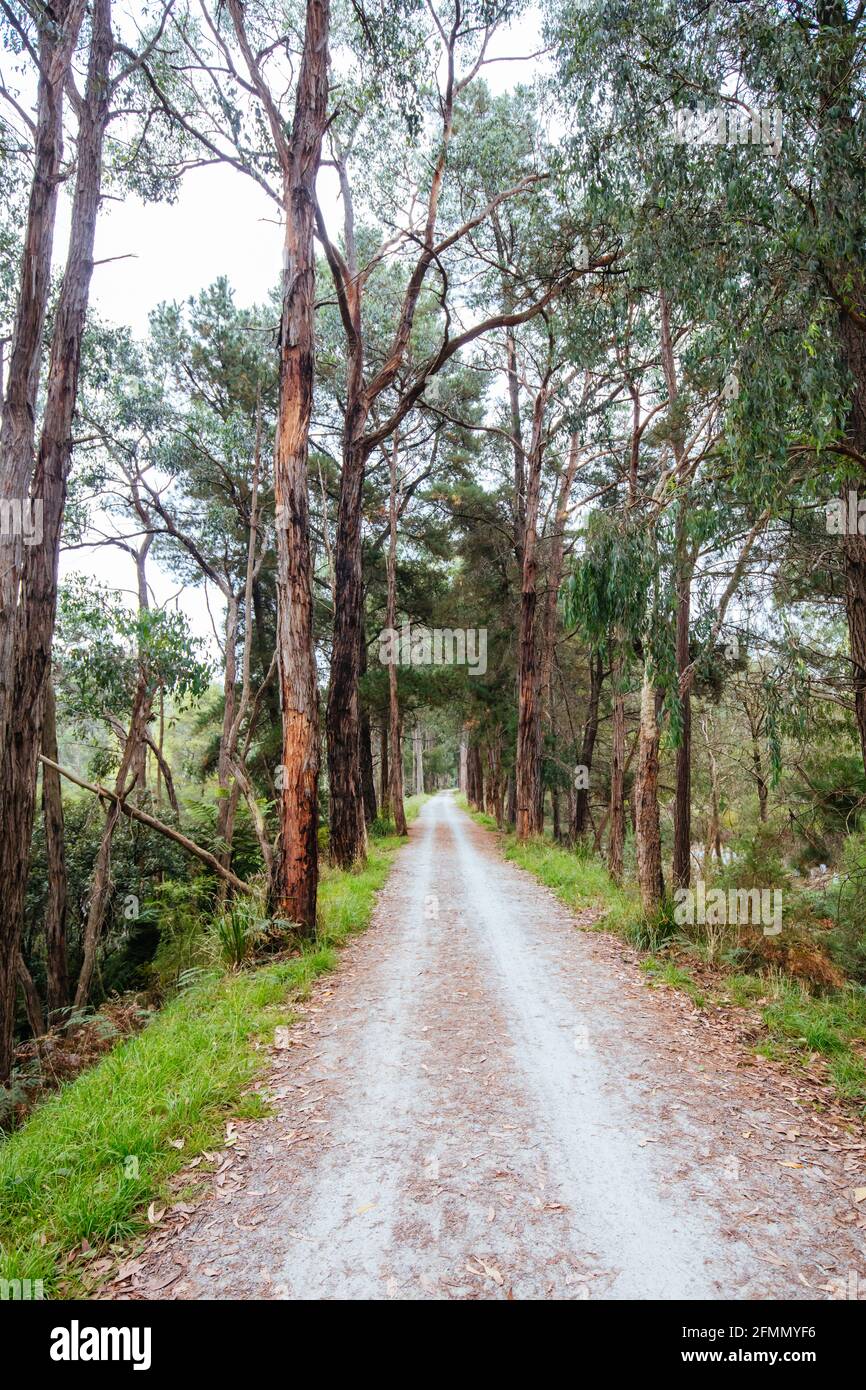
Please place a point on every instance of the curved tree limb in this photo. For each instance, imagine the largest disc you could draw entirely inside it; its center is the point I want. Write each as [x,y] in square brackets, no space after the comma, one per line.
[135,814]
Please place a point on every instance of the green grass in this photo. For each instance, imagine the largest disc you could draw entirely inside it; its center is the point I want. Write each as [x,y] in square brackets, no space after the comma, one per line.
[801,1023]
[745,989]
[63,1175]
[849,1077]
[669,973]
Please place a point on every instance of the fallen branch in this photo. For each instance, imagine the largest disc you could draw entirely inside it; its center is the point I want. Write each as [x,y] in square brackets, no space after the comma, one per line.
[135,814]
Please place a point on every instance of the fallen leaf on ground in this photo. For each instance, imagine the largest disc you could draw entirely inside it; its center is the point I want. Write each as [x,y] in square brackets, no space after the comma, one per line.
[489,1270]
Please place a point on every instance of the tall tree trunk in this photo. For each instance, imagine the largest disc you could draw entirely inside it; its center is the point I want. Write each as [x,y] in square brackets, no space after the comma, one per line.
[493,801]
[587,748]
[495,760]
[616,834]
[554,573]
[528,769]
[384,770]
[418,760]
[396,756]
[391,622]
[854,546]
[550,622]
[682,852]
[225,778]
[368,786]
[233,778]
[34,613]
[138,765]
[57,961]
[760,780]
[837,122]
[475,791]
[348,834]
[646,801]
[160,746]
[368,783]
[100,883]
[58,35]
[713,839]
[683,569]
[295,879]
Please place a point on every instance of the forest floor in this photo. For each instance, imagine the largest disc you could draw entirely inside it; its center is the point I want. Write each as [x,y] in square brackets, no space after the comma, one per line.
[487,1103]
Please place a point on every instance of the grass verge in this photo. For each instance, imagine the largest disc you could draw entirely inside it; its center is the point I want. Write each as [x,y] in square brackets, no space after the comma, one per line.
[65,1175]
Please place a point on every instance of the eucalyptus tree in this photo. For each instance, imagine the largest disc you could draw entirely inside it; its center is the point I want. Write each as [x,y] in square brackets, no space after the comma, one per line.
[27,598]
[295,885]
[555,375]
[241,65]
[113,661]
[733,135]
[606,597]
[427,232]
[184,428]
[49,41]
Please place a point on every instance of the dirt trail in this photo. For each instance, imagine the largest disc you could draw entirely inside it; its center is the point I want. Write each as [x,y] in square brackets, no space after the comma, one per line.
[488,1103]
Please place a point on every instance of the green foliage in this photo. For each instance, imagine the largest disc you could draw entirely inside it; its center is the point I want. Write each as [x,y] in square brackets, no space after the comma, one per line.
[651,932]
[757,861]
[145,865]
[237,930]
[846,903]
[608,588]
[103,647]
[668,973]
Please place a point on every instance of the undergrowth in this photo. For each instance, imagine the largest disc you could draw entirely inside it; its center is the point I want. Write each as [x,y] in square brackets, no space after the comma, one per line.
[88,1161]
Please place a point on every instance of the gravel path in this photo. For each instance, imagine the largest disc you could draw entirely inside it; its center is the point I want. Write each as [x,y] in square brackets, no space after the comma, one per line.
[485,1102]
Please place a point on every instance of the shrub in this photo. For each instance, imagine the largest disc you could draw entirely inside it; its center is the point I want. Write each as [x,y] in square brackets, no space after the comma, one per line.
[237,930]
[847,905]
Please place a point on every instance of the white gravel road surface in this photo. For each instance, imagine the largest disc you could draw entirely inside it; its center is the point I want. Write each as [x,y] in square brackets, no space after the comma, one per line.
[486,1102]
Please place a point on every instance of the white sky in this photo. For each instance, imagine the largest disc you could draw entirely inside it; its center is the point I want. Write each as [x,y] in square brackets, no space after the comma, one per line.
[221,224]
